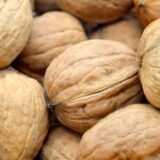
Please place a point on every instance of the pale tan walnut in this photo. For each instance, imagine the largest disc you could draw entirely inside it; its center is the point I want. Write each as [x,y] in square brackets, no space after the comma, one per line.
[147,10]
[23,116]
[52,33]
[61,144]
[150,71]
[125,31]
[131,133]
[96,11]
[15,27]
[90,80]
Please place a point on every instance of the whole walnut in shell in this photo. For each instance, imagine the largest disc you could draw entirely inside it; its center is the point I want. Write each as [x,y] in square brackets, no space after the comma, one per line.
[15,27]
[61,144]
[131,133]
[125,31]
[52,33]
[147,10]
[149,47]
[90,80]
[96,11]
[23,116]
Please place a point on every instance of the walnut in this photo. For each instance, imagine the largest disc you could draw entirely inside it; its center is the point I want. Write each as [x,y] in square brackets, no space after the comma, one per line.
[49,38]
[15,27]
[131,133]
[90,80]
[96,11]
[23,118]
[61,144]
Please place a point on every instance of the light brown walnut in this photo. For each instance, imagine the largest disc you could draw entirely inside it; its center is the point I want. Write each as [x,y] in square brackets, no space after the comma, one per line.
[92,79]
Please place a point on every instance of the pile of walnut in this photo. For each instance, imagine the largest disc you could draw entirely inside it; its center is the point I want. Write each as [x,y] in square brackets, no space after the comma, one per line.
[80,80]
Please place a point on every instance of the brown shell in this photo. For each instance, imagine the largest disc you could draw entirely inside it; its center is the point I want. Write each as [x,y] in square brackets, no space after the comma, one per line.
[49,38]
[90,80]
[23,116]
[131,133]
[150,71]
[96,11]
[15,27]
[147,10]
[125,31]
[61,144]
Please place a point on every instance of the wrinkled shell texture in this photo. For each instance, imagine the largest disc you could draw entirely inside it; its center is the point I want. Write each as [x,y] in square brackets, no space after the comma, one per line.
[96,11]
[150,71]
[61,144]
[116,32]
[15,27]
[147,11]
[131,133]
[90,80]
[23,116]
[46,44]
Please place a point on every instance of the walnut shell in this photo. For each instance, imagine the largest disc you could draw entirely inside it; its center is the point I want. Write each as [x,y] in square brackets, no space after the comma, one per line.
[15,27]
[147,10]
[23,118]
[115,31]
[96,11]
[90,80]
[46,44]
[61,144]
[150,70]
[131,133]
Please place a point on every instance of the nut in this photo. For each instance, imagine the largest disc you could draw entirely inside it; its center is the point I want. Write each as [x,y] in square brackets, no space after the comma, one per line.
[147,11]
[62,144]
[90,80]
[131,133]
[96,11]
[115,31]
[23,118]
[46,44]
[15,27]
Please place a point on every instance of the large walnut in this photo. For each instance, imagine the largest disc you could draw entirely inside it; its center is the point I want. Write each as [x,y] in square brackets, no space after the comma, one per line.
[150,71]
[61,144]
[131,133]
[147,10]
[90,80]
[96,11]
[125,31]
[23,116]
[15,27]
[49,38]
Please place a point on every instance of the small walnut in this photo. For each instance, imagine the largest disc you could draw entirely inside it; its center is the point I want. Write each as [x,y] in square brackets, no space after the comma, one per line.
[61,144]
[96,11]
[23,116]
[92,79]
[131,133]
[125,31]
[15,27]
[149,47]
[52,33]
[147,10]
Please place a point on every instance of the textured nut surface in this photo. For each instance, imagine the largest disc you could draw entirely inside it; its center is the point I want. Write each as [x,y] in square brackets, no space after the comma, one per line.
[131,133]
[150,71]
[147,10]
[90,80]
[23,116]
[125,31]
[96,11]
[49,38]
[15,27]
[61,144]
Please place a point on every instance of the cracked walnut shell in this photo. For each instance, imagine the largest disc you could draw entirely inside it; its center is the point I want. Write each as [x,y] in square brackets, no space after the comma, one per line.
[90,80]
[23,116]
